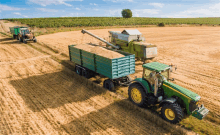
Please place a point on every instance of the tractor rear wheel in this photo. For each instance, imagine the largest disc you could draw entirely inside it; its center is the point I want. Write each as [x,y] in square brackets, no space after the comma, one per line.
[137,94]
[172,113]
[108,84]
[20,39]
[24,41]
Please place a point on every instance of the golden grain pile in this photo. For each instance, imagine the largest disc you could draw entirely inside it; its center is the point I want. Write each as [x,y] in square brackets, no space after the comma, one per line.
[100,51]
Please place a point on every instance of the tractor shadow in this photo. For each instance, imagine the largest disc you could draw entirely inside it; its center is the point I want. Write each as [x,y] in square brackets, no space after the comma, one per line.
[55,89]
[11,42]
[5,39]
[120,116]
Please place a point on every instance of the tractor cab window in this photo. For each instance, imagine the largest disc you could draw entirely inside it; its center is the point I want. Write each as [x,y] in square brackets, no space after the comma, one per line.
[149,75]
[27,31]
[23,32]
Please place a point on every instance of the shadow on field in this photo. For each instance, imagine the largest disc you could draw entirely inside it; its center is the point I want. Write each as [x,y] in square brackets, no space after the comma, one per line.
[5,39]
[120,117]
[12,42]
[55,89]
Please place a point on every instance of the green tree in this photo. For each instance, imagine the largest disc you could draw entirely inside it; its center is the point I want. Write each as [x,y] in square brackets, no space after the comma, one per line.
[126,13]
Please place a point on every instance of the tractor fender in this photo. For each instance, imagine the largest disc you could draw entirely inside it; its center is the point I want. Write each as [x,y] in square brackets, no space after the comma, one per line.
[143,83]
[167,100]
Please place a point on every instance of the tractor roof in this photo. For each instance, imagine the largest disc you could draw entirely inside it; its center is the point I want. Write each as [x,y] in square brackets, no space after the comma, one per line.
[156,66]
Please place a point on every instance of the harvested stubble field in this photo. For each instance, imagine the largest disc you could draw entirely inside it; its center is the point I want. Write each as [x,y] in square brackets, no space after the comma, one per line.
[41,96]
[196,52]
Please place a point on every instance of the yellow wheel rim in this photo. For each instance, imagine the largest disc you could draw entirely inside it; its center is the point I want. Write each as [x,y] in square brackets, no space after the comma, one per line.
[136,95]
[170,115]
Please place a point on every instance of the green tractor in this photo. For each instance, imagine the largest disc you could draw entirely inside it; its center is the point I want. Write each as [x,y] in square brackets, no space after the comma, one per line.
[155,88]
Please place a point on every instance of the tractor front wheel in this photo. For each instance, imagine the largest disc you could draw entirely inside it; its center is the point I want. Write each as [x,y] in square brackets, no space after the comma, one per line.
[172,113]
[137,94]
[35,40]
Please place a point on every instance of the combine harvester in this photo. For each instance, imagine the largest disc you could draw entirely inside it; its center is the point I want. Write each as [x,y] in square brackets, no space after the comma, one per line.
[154,88]
[130,41]
[23,34]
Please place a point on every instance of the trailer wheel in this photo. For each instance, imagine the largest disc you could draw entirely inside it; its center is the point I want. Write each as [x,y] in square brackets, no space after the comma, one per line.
[136,94]
[85,73]
[172,113]
[78,70]
[108,84]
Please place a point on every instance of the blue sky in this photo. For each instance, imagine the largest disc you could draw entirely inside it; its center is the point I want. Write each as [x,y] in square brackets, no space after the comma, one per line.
[101,8]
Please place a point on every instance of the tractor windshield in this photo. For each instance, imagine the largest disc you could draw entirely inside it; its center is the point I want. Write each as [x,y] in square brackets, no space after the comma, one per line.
[165,74]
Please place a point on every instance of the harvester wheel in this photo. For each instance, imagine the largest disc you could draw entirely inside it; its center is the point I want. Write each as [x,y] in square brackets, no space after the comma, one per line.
[85,73]
[108,84]
[136,94]
[172,113]
[78,70]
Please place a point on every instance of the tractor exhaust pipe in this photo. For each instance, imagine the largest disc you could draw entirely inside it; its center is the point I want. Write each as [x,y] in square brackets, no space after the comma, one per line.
[84,31]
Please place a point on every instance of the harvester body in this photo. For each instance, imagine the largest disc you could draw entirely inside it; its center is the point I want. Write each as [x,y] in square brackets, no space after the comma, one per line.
[155,88]
[132,41]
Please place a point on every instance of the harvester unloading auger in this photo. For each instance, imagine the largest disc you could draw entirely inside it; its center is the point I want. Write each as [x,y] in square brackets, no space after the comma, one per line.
[130,41]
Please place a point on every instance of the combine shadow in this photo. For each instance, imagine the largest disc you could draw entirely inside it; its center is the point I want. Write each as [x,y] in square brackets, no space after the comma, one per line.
[120,116]
[55,89]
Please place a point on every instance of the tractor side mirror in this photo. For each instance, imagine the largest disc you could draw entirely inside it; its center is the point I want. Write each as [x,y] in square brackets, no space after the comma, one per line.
[172,79]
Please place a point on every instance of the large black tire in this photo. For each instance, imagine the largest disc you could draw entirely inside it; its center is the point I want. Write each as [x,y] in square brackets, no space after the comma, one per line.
[78,70]
[35,40]
[14,36]
[85,73]
[137,94]
[172,113]
[108,84]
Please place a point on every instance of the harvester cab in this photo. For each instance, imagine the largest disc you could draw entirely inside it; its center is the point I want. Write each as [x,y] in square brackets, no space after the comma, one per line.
[155,88]
[132,41]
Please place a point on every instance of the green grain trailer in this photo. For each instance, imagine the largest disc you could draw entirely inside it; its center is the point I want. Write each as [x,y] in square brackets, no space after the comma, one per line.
[15,31]
[116,70]
[155,88]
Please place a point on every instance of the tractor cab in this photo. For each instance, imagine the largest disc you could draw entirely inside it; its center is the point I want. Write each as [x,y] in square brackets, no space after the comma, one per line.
[156,73]
[24,31]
